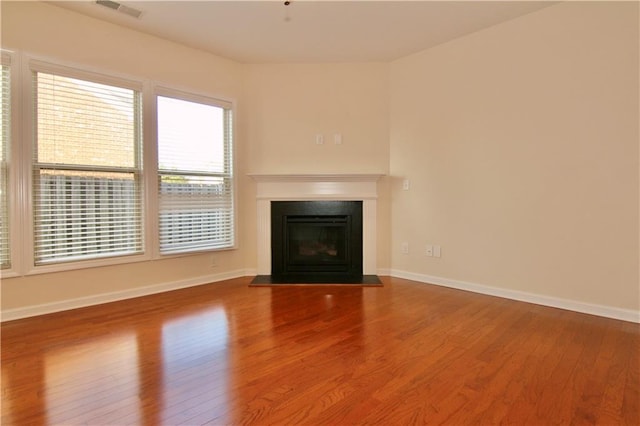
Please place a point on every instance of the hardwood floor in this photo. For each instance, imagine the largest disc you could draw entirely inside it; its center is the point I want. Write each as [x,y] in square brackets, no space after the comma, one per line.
[406,353]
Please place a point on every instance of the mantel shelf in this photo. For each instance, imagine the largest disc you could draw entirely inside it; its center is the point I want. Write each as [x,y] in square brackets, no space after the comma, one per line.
[353,177]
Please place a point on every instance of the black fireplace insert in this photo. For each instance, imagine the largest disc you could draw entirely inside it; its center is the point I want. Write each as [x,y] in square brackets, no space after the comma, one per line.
[316,241]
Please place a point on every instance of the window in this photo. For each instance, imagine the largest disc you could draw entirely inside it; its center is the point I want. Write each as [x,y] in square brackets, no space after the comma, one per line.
[87,171]
[111,170]
[195,175]
[5,132]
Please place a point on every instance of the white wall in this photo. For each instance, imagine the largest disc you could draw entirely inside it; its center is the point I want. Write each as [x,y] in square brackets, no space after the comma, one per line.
[521,145]
[280,108]
[520,141]
[52,32]
[287,105]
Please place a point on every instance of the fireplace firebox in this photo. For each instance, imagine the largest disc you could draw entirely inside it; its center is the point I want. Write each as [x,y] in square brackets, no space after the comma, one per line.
[316,241]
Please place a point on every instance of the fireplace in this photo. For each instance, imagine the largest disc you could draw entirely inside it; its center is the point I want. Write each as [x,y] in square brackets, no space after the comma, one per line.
[316,241]
[272,188]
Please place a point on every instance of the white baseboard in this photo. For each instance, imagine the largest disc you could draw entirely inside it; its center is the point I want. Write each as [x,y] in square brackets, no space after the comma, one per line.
[571,305]
[81,302]
[250,272]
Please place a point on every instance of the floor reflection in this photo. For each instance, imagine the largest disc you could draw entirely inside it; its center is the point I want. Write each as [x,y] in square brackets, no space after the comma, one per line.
[219,361]
[311,336]
[194,367]
[80,379]
[316,301]
[168,371]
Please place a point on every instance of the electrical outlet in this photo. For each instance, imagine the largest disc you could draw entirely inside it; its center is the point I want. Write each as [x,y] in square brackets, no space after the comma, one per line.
[214,262]
[404,248]
[436,251]
[428,250]
[405,184]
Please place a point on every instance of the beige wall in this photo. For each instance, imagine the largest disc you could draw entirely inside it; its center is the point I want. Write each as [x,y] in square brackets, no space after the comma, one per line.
[280,109]
[56,33]
[521,145]
[289,104]
[520,141]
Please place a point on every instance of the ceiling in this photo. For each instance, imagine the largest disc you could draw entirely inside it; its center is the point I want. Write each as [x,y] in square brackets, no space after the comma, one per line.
[309,31]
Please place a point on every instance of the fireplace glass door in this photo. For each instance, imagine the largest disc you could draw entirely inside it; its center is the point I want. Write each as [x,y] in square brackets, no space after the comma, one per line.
[316,240]
[318,244]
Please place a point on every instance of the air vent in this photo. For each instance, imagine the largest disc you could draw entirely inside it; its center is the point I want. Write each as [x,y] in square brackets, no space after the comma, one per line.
[120,8]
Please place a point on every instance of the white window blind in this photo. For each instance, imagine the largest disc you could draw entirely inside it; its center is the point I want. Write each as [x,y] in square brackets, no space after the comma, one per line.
[86,170]
[5,131]
[195,175]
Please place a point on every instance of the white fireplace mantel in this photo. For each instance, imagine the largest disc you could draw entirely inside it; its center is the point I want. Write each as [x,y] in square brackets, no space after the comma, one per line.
[329,177]
[306,187]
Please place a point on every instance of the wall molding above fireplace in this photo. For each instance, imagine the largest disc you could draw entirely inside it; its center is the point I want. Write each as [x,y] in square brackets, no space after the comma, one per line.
[303,187]
[316,186]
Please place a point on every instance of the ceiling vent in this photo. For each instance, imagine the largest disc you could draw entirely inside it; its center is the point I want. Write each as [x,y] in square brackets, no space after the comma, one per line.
[120,8]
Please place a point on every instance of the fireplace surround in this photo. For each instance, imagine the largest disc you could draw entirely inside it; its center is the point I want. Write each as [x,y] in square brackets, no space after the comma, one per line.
[308,187]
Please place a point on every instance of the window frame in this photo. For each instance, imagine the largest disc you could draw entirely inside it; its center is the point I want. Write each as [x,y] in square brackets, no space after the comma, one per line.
[31,66]
[167,91]
[15,194]
[22,191]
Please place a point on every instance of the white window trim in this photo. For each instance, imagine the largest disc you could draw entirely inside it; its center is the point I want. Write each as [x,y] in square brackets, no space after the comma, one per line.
[15,195]
[149,171]
[162,90]
[170,91]
[31,64]
[21,190]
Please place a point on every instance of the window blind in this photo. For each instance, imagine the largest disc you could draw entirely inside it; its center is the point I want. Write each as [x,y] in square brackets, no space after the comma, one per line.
[5,131]
[196,197]
[86,170]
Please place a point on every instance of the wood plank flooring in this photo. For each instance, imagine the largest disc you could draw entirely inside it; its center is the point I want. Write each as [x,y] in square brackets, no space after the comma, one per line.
[403,354]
